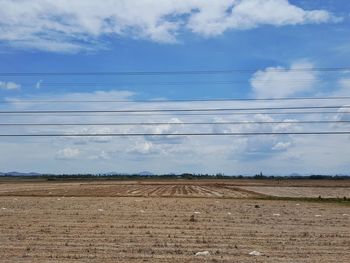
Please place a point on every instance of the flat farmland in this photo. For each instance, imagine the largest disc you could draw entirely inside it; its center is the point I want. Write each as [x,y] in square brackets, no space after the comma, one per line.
[169,221]
[311,192]
[180,188]
[125,189]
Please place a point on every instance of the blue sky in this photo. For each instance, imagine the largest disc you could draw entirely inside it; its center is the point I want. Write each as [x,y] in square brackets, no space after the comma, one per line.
[148,35]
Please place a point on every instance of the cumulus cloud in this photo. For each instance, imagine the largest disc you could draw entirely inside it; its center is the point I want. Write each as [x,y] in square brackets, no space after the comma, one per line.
[68,153]
[229,154]
[102,155]
[9,85]
[250,148]
[166,129]
[89,139]
[97,95]
[275,82]
[216,19]
[344,84]
[142,147]
[69,26]
[280,146]
[343,115]
[343,90]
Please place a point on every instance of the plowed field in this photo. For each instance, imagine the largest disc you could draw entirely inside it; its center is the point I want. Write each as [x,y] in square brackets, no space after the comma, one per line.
[153,222]
[129,189]
[323,192]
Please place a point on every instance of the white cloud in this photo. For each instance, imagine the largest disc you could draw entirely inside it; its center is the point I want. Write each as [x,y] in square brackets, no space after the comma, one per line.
[344,90]
[103,155]
[275,82]
[281,146]
[89,139]
[343,115]
[69,26]
[98,95]
[211,154]
[343,112]
[9,85]
[68,153]
[215,19]
[141,147]
[248,148]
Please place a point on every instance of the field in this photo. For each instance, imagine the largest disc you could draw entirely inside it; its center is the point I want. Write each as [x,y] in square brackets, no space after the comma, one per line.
[312,192]
[170,221]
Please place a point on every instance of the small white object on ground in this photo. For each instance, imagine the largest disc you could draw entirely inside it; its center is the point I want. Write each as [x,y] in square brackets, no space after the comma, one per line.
[297,204]
[197,213]
[58,199]
[3,208]
[229,213]
[276,214]
[100,210]
[202,253]
[317,215]
[255,253]
[345,214]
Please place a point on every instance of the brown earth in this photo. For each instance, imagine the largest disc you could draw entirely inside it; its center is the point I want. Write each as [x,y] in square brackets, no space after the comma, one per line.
[313,192]
[151,221]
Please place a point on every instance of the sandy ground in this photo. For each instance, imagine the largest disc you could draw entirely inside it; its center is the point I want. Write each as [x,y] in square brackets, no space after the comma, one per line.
[156,228]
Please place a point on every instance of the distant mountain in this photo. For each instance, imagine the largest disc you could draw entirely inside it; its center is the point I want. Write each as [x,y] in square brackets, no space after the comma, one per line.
[19,174]
[295,174]
[145,173]
[114,174]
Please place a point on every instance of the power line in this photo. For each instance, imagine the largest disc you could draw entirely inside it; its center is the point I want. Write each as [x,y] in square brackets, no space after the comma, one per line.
[173,83]
[213,81]
[174,100]
[171,110]
[173,123]
[180,72]
[180,114]
[175,134]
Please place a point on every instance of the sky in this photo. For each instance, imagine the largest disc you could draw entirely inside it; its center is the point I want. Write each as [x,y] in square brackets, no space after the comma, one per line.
[272,40]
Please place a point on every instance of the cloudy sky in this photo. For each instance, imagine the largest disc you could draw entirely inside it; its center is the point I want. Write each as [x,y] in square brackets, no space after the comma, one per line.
[275,40]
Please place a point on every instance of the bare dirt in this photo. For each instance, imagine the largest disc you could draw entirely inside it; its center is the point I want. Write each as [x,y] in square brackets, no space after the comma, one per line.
[312,192]
[169,221]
